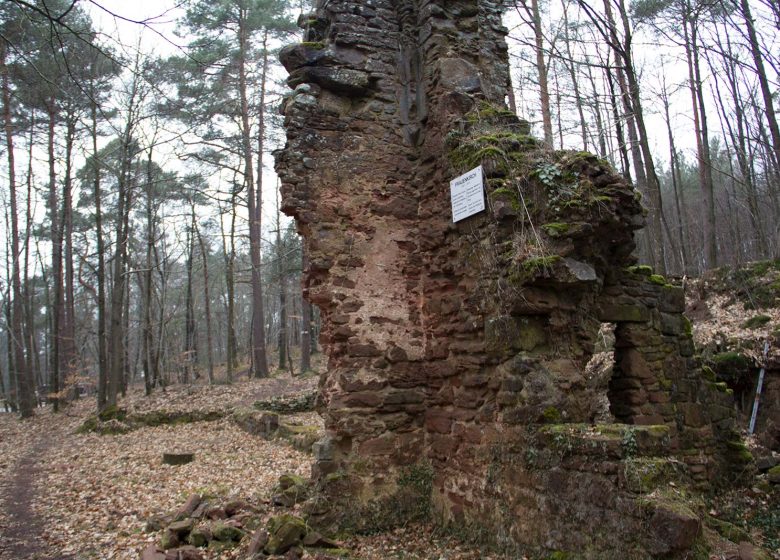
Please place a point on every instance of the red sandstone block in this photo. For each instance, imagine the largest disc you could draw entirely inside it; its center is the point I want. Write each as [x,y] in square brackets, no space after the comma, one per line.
[383,445]
[360,399]
[651,420]
[660,397]
[439,421]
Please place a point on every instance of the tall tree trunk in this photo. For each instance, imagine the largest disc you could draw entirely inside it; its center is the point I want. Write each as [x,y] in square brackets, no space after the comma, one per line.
[56,265]
[28,290]
[306,319]
[228,249]
[651,177]
[625,163]
[254,199]
[510,94]
[541,70]
[190,349]
[702,137]
[102,393]
[149,360]
[600,129]
[69,354]
[570,66]
[676,186]
[116,359]
[282,295]
[13,392]
[126,364]
[158,364]
[16,333]
[206,304]
[558,110]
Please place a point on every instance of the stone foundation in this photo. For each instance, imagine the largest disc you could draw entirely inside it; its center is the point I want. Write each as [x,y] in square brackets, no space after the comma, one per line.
[459,350]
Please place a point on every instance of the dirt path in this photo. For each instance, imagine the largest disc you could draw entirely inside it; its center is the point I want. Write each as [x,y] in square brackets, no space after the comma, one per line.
[21,529]
[42,462]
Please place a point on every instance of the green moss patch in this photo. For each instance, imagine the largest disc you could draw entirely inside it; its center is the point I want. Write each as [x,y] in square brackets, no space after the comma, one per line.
[642,270]
[289,404]
[409,502]
[728,530]
[756,322]
[657,279]
[737,453]
[129,422]
[731,367]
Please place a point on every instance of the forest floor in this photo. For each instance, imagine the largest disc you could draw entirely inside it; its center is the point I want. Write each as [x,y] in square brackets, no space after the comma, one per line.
[66,495]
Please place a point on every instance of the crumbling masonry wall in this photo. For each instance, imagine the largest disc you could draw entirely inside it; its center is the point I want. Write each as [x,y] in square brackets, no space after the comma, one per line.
[463,347]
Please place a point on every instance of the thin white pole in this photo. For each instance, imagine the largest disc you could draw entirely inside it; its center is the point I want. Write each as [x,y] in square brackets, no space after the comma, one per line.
[752,427]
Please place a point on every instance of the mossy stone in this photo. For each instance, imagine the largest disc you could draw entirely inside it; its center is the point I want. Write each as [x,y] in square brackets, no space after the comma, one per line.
[112,412]
[645,474]
[287,480]
[285,532]
[556,229]
[738,453]
[508,334]
[226,533]
[551,415]
[169,539]
[731,366]
[218,547]
[198,537]
[728,530]
[642,270]
[657,279]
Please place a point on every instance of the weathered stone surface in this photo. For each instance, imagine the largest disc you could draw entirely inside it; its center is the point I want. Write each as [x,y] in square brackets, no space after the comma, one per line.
[183,527]
[675,529]
[291,490]
[298,55]
[151,552]
[225,532]
[255,422]
[459,75]
[189,507]
[451,344]
[169,539]
[748,551]
[612,313]
[258,542]
[285,531]
[200,536]
[351,83]
[184,553]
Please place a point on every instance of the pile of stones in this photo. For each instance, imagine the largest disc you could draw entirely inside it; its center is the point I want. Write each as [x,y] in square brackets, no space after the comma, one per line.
[205,525]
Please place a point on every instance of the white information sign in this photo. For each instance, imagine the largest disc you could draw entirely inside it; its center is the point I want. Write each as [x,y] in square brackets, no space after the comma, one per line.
[467,194]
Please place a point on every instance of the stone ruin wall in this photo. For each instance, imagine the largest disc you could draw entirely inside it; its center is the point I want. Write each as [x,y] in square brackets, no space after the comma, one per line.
[464,346]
